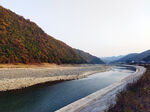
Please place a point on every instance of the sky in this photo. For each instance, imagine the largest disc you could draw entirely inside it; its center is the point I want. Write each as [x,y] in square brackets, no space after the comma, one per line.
[100,27]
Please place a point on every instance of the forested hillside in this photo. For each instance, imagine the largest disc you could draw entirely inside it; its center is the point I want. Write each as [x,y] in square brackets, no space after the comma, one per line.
[141,56]
[135,57]
[147,59]
[126,58]
[89,58]
[22,41]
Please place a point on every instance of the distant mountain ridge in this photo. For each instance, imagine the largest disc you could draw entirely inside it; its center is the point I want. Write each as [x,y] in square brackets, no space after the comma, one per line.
[141,56]
[126,58]
[135,57]
[147,59]
[22,41]
[89,58]
[111,59]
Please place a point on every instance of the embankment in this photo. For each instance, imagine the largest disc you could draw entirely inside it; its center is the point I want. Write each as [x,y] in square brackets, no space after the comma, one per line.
[101,100]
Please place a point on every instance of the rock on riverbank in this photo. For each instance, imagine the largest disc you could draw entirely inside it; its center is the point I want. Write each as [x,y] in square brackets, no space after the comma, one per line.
[17,78]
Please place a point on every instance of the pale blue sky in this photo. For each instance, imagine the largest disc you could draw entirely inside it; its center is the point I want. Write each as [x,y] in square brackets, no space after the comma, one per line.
[100,27]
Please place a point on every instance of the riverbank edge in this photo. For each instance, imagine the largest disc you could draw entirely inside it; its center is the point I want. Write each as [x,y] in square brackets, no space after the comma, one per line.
[21,83]
[102,99]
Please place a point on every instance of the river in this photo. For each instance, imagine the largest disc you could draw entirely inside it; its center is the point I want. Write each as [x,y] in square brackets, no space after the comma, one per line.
[53,97]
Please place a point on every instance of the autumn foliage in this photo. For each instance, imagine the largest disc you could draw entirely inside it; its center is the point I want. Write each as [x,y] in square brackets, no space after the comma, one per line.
[22,41]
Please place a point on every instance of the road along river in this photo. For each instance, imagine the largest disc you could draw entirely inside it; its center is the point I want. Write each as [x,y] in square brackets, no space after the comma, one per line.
[50,98]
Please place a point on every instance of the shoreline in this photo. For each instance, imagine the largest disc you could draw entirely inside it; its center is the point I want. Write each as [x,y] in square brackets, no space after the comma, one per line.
[12,79]
[102,99]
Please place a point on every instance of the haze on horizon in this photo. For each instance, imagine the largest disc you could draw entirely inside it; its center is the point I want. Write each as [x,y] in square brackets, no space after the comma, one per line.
[100,27]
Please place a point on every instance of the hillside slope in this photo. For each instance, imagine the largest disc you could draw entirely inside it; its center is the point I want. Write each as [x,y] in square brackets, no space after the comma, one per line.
[127,57]
[147,59]
[22,41]
[136,57]
[141,56]
[89,58]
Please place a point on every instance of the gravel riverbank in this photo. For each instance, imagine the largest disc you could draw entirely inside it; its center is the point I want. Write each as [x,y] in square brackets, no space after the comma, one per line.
[17,78]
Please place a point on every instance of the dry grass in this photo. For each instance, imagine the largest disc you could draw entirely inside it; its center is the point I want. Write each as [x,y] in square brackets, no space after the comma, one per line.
[136,97]
[35,65]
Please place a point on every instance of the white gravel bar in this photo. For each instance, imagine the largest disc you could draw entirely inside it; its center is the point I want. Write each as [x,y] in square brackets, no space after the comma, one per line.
[17,78]
[102,99]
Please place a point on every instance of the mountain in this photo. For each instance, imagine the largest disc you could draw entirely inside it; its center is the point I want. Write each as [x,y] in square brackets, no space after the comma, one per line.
[136,57]
[126,58]
[89,58]
[147,59]
[22,41]
[141,56]
[111,59]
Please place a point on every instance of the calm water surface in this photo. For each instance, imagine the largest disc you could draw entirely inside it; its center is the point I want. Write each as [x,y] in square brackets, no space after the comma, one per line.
[53,97]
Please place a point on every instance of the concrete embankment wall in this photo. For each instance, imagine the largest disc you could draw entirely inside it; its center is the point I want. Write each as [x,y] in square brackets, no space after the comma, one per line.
[101,100]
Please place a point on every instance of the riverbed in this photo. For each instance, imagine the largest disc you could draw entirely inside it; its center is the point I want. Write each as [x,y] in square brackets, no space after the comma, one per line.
[50,98]
[18,78]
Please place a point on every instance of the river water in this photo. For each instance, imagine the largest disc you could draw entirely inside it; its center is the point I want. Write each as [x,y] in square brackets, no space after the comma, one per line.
[53,97]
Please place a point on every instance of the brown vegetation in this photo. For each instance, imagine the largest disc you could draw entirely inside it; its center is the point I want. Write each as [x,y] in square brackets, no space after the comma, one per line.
[31,65]
[89,58]
[136,97]
[22,41]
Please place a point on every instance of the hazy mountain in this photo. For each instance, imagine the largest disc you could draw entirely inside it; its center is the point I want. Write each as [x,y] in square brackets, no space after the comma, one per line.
[147,59]
[89,58]
[126,58]
[136,57]
[111,59]
[141,56]
[22,41]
